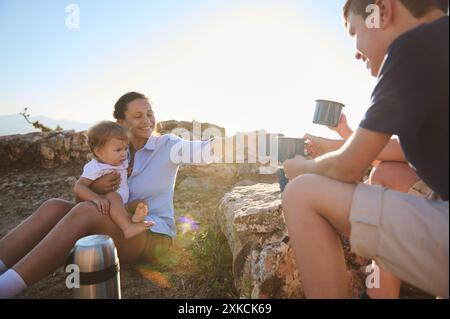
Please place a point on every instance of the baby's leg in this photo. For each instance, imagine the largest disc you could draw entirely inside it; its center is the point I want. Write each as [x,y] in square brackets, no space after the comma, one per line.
[140,212]
[138,209]
[120,216]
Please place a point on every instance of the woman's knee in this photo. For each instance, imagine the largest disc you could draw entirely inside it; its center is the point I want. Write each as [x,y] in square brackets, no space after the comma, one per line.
[54,207]
[393,175]
[380,174]
[56,203]
[85,213]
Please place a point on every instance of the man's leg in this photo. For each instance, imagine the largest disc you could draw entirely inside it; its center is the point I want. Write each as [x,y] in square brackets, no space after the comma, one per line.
[316,208]
[405,234]
[400,177]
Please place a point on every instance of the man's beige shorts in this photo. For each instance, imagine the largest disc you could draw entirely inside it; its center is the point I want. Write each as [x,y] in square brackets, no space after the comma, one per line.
[405,234]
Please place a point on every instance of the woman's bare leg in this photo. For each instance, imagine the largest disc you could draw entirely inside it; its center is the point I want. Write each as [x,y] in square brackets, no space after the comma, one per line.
[394,175]
[316,208]
[400,177]
[82,220]
[19,241]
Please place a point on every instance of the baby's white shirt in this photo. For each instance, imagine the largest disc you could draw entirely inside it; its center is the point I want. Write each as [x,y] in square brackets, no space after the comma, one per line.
[95,169]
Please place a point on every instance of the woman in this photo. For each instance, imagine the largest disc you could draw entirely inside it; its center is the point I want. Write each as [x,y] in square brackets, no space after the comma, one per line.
[41,243]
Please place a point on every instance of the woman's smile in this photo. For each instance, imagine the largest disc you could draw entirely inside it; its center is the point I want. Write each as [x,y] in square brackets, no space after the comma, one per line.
[146,129]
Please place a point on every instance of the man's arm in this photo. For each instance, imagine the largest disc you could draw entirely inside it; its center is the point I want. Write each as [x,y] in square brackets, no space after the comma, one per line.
[348,164]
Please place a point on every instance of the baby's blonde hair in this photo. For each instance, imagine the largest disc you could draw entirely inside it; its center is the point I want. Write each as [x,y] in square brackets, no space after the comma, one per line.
[102,132]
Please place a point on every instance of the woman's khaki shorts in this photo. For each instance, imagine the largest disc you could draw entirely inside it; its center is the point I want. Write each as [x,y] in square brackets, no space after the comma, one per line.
[405,234]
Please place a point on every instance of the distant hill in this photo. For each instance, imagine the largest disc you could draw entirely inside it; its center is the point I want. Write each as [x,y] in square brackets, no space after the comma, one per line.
[16,124]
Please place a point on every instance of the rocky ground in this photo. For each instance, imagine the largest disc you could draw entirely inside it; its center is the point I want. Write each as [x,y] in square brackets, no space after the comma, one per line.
[22,192]
[199,267]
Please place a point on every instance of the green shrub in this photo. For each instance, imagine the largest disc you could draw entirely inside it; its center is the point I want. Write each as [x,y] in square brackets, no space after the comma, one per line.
[214,261]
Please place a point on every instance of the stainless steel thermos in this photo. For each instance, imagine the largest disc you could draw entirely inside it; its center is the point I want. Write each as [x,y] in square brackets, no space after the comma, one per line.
[99,270]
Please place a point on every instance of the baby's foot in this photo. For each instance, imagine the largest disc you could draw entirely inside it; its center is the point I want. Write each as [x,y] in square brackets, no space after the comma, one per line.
[140,213]
[137,228]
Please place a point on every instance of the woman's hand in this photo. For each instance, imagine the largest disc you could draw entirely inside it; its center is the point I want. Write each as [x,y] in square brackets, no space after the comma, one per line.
[102,205]
[107,183]
[317,146]
[295,167]
[342,129]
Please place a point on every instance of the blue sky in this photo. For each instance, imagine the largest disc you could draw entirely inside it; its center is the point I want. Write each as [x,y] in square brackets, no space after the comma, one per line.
[244,65]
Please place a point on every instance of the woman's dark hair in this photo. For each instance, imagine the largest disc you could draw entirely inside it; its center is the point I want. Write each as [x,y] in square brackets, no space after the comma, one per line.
[121,105]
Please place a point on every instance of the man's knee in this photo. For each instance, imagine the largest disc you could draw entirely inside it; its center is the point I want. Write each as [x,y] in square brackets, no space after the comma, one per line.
[299,190]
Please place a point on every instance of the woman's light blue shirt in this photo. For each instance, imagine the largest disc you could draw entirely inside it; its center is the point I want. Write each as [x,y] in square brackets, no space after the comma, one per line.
[153,178]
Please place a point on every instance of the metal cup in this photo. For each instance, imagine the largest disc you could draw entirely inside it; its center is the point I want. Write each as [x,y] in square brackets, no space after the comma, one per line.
[96,257]
[287,148]
[328,113]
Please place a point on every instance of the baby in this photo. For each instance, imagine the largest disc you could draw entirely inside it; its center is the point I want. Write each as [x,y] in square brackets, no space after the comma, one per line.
[108,142]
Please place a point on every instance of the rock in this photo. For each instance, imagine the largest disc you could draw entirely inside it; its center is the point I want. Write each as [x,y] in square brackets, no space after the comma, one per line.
[246,182]
[263,264]
[79,142]
[276,273]
[47,152]
[67,142]
[59,141]
[43,150]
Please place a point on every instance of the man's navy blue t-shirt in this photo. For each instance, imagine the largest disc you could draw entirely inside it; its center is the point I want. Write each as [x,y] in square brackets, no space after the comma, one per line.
[411,101]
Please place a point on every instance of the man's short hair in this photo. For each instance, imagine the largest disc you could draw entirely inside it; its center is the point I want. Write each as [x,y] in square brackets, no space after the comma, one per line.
[418,8]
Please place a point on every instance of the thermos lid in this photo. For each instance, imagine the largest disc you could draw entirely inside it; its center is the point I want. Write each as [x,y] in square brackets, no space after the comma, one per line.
[94,253]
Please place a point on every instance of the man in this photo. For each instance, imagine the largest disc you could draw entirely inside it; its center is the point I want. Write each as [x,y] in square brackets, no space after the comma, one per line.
[391,171]
[406,235]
